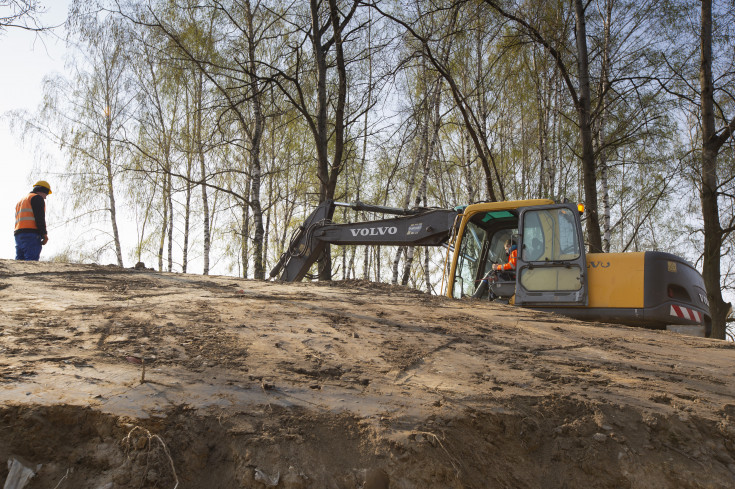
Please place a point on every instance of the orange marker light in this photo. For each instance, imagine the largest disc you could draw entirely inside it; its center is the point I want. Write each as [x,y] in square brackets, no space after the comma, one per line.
[580,208]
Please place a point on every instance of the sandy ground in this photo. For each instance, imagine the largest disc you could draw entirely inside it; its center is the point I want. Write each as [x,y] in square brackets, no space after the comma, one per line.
[113,378]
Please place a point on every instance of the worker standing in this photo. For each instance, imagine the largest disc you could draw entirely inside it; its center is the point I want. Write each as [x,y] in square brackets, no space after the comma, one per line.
[30,223]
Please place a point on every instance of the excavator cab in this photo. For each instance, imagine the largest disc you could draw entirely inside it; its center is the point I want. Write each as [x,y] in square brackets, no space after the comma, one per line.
[551,267]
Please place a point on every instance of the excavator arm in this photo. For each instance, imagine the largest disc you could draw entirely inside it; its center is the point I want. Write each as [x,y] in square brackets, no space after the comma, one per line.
[421,226]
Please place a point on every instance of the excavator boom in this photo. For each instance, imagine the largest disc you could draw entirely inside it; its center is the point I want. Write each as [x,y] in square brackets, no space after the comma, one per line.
[426,227]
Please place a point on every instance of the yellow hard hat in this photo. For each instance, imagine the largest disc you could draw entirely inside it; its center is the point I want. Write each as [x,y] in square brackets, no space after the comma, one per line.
[44,184]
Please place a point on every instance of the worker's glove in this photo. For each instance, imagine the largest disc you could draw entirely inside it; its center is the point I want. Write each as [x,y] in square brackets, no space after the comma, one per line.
[44,240]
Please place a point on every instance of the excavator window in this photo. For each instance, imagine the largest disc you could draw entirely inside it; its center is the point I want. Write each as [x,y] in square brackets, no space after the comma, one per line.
[550,236]
[470,254]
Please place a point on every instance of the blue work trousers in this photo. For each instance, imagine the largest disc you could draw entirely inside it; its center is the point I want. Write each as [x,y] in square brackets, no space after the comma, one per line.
[28,246]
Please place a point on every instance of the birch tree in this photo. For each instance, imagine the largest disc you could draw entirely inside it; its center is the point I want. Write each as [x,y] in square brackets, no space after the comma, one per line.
[158,118]
[87,116]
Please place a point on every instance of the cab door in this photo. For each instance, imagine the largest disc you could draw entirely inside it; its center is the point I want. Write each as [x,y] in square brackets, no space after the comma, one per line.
[551,269]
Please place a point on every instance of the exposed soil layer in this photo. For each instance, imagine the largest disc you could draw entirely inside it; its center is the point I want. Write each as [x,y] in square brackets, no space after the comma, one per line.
[113,378]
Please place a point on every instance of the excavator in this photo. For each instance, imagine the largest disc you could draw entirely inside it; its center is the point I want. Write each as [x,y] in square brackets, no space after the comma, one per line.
[649,289]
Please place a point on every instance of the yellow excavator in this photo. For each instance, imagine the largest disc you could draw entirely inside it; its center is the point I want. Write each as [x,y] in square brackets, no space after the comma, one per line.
[552,272]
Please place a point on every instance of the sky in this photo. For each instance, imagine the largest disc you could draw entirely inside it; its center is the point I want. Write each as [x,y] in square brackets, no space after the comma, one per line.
[26,57]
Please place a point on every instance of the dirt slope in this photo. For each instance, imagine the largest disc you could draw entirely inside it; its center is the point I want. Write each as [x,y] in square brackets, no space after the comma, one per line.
[353,385]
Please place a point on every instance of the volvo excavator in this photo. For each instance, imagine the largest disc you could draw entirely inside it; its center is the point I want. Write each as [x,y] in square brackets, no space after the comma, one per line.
[650,289]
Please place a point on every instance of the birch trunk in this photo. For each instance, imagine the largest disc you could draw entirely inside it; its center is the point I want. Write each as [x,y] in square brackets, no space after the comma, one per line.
[329,171]
[710,210]
[187,201]
[205,211]
[255,166]
[245,233]
[366,261]
[164,219]
[111,191]
[410,250]
[113,218]
[245,236]
[377,261]
[170,218]
[605,204]
[267,224]
[202,173]
[258,270]
[187,217]
[396,261]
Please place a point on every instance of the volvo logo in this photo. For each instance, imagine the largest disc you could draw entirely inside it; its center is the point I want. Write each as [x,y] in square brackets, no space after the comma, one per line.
[381,231]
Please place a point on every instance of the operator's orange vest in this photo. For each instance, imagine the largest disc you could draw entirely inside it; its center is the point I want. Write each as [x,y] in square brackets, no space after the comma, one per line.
[512,260]
[24,217]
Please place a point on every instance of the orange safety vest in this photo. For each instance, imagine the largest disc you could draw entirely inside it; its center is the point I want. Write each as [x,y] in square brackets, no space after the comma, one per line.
[512,259]
[24,217]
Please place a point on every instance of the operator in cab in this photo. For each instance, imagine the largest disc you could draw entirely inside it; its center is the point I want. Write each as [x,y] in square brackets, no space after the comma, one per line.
[501,271]
[511,251]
